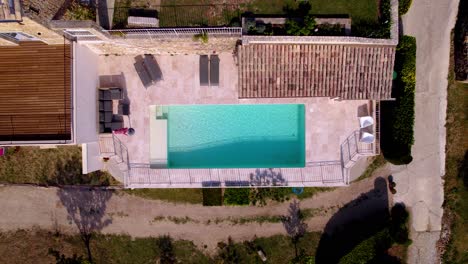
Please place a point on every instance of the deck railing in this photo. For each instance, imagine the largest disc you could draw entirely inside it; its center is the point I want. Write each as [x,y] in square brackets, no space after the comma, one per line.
[377,127]
[314,174]
[155,33]
[352,147]
[121,151]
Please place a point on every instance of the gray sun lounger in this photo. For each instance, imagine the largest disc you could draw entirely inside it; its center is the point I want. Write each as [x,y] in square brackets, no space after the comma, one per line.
[214,70]
[143,74]
[204,70]
[152,67]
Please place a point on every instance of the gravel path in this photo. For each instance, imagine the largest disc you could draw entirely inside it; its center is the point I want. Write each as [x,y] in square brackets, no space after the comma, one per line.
[58,209]
[420,184]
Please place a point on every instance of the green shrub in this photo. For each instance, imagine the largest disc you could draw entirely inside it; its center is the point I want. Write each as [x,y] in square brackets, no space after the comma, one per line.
[260,196]
[203,37]
[212,197]
[403,6]
[237,196]
[77,11]
[368,249]
[304,28]
[399,224]
[398,116]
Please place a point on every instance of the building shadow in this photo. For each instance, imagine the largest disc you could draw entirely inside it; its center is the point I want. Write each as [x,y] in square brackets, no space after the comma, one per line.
[86,208]
[353,223]
[103,12]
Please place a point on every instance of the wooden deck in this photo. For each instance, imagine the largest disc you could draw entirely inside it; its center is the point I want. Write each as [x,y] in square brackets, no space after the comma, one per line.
[10,10]
[35,92]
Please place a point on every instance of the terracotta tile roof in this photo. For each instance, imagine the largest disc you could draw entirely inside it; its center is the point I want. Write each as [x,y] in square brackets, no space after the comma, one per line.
[316,70]
[35,92]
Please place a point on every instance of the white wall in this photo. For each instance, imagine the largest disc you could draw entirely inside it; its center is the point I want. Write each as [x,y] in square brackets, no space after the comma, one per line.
[86,81]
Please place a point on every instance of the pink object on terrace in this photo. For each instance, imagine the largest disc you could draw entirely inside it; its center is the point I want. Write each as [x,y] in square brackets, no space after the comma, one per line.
[2,151]
[123,130]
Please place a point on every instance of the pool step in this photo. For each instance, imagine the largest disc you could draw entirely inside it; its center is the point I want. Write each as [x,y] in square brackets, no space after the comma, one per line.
[161,112]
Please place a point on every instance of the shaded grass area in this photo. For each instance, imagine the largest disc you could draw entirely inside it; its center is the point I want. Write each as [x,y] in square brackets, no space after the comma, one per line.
[179,195]
[187,13]
[56,166]
[456,175]
[377,162]
[33,246]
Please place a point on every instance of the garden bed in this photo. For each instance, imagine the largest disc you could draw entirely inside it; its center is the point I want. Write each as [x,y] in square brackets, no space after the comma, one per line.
[194,13]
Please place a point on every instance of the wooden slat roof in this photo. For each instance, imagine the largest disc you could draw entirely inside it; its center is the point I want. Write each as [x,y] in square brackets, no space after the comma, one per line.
[316,70]
[35,92]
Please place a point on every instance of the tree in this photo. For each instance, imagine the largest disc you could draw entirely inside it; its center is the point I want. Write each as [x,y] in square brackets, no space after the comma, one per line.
[294,225]
[86,208]
[167,250]
[228,252]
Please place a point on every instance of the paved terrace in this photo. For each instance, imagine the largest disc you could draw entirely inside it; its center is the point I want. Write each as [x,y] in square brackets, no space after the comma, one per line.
[328,124]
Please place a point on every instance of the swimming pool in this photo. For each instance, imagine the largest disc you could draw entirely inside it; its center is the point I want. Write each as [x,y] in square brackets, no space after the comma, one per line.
[235,136]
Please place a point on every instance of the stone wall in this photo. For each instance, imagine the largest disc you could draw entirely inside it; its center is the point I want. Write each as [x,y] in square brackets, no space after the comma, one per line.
[164,46]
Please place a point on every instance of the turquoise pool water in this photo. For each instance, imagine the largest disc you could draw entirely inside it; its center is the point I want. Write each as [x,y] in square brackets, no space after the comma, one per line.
[236,136]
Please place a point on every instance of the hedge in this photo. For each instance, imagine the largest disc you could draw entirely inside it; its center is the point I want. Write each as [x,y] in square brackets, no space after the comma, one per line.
[367,250]
[403,6]
[237,196]
[398,116]
[374,247]
[212,196]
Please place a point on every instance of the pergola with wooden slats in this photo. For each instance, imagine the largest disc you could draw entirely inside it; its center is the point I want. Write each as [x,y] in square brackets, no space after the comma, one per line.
[35,92]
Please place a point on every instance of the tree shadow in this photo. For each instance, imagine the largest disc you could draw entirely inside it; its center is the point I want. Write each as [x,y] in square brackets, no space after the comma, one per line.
[86,208]
[267,177]
[302,10]
[294,224]
[166,248]
[353,223]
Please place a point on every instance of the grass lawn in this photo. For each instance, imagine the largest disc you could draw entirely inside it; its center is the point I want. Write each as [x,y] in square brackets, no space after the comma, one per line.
[33,246]
[179,195]
[358,10]
[309,192]
[56,166]
[456,194]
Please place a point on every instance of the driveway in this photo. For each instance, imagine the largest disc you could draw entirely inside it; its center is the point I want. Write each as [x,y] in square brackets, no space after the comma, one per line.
[73,210]
[420,184]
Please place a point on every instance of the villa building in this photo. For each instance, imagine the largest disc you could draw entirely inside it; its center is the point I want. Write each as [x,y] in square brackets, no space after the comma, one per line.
[159,108]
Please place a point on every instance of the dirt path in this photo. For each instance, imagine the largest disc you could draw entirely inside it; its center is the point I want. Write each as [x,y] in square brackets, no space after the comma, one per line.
[58,209]
[420,184]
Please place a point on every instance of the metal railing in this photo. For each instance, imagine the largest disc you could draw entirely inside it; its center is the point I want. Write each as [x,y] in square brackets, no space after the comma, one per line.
[315,173]
[377,127]
[80,35]
[352,147]
[121,151]
[155,33]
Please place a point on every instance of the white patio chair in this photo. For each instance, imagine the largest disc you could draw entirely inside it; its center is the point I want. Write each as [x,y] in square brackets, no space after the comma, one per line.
[365,121]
